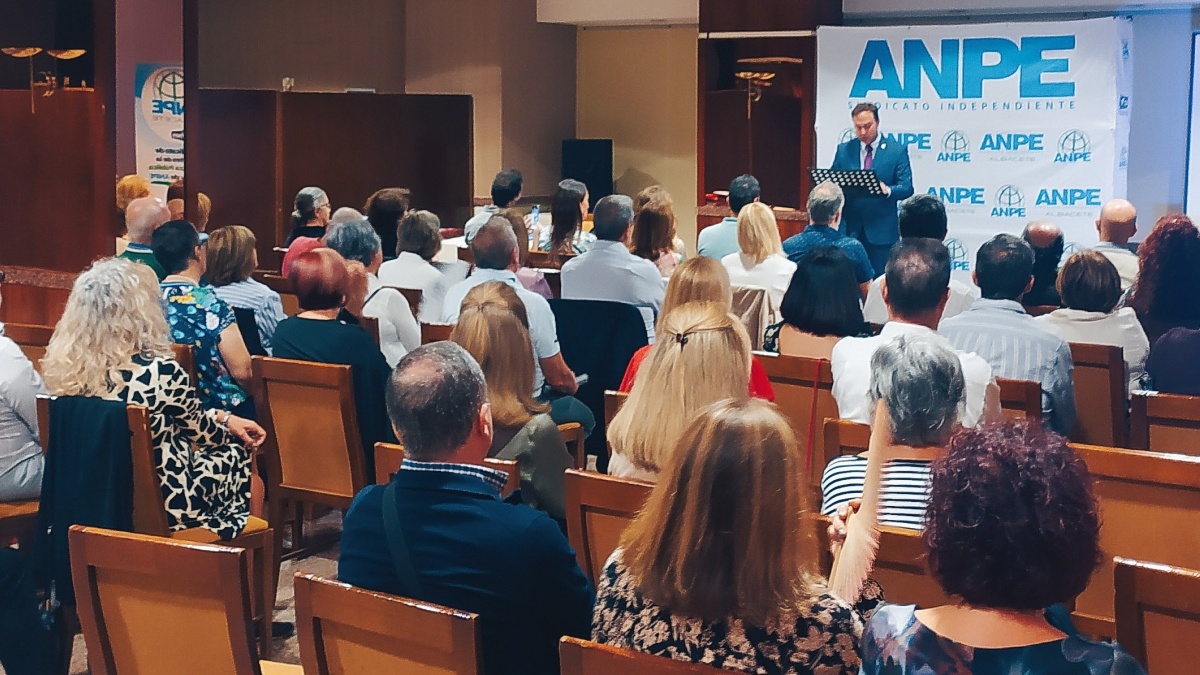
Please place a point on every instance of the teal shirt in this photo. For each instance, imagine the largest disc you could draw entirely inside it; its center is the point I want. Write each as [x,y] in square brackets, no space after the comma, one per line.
[718,241]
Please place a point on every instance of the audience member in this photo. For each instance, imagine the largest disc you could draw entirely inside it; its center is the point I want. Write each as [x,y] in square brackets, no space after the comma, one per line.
[311,214]
[21,460]
[922,215]
[175,199]
[916,288]
[821,306]
[112,343]
[609,271]
[1117,224]
[398,330]
[203,211]
[232,259]
[1173,366]
[200,319]
[1047,242]
[653,236]
[1167,292]
[465,548]
[298,248]
[920,381]
[760,260]
[344,214]
[702,356]
[531,279]
[506,192]
[385,209]
[129,188]
[653,193]
[717,568]
[1003,568]
[418,241]
[1090,287]
[567,211]
[998,329]
[825,204]
[493,328]
[720,240]
[142,217]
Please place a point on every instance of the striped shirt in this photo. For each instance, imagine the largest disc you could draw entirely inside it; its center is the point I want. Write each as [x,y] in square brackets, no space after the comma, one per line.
[264,302]
[905,489]
[493,478]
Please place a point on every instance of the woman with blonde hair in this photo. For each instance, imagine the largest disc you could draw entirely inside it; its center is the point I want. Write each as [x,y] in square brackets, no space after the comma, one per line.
[232,259]
[493,327]
[702,355]
[654,231]
[760,260]
[719,566]
[112,343]
[129,188]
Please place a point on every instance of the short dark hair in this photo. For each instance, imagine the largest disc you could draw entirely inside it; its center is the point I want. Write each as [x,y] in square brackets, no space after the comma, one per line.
[923,216]
[865,107]
[384,210]
[1003,267]
[174,244]
[823,297]
[612,217]
[494,244]
[175,190]
[419,232]
[917,275]
[1089,282]
[433,399]
[743,190]
[320,279]
[1012,521]
[506,187]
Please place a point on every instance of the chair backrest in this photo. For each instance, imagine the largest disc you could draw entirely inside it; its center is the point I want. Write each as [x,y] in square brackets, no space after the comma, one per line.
[900,568]
[1020,399]
[466,255]
[573,438]
[583,657]
[435,332]
[280,284]
[185,356]
[1100,399]
[412,295]
[613,401]
[1149,504]
[313,442]
[801,384]
[345,630]
[370,326]
[599,508]
[150,604]
[752,304]
[541,260]
[1158,614]
[843,437]
[389,457]
[248,327]
[1165,422]
[31,339]
[149,510]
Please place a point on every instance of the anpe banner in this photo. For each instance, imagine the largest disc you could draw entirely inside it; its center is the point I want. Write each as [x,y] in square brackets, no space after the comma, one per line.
[158,110]
[1007,123]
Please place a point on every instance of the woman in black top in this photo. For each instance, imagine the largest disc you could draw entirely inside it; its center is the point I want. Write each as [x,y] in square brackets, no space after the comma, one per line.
[311,214]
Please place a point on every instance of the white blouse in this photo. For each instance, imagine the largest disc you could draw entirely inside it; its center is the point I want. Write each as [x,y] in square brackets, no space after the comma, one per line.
[1120,328]
[773,274]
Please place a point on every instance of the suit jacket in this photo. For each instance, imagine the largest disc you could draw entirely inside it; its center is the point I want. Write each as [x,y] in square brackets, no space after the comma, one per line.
[876,216]
[473,552]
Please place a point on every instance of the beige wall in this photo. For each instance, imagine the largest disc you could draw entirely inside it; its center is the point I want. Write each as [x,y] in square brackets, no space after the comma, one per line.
[637,86]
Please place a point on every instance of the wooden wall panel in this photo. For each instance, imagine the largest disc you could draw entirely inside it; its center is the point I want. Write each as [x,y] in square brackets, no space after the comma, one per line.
[760,15]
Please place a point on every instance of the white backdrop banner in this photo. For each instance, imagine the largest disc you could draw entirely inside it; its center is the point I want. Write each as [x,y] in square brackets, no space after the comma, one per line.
[158,134]
[1007,123]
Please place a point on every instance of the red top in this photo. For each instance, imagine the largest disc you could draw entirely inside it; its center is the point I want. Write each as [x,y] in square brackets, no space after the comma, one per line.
[760,385]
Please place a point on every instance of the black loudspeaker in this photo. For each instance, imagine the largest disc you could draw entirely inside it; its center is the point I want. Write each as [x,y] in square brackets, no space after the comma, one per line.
[590,161]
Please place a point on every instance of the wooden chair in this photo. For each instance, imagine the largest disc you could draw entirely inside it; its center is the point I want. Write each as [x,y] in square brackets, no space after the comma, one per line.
[900,568]
[370,326]
[541,260]
[1158,614]
[613,401]
[389,457]
[583,657]
[185,356]
[1149,504]
[31,339]
[843,437]
[279,284]
[466,255]
[1165,422]
[1100,399]
[573,438]
[345,630]
[435,332]
[599,507]
[412,295]
[1020,399]
[151,605]
[796,381]
[554,281]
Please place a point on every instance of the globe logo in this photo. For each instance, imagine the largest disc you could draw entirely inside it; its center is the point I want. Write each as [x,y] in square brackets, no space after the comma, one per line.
[169,84]
[847,134]
[955,141]
[1074,141]
[958,252]
[1010,197]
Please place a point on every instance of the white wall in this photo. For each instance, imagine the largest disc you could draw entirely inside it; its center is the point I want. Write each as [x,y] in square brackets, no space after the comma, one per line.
[619,12]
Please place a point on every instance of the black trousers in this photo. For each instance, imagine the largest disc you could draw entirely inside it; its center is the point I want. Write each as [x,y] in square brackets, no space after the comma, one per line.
[24,642]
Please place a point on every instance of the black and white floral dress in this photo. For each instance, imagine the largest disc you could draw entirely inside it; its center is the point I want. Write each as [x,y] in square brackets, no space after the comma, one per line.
[205,473]
[822,639]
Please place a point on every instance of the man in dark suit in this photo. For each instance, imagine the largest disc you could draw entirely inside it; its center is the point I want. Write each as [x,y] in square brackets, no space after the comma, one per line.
[459,544]
[870,219]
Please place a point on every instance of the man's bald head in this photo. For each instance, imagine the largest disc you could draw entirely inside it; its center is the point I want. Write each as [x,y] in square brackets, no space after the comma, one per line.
[1117,222]
[1041,234]
[495,245]
[142,217]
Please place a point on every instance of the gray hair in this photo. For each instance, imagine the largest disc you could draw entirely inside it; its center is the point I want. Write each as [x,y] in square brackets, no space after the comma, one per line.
[921,380]
[143,216]
[345,214]
[825,200]
[494,245]
[355,240]
[612,217]
[433,399]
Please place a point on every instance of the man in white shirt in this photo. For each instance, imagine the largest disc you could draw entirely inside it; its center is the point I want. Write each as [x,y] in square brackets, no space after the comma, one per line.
[916,288]
[718,241]
[921,216]
[608,271]
[506,190]
[1116,224]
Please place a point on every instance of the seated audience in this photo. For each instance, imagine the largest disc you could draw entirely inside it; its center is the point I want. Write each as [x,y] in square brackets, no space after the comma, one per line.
[129,188]
[568,208]
[142,217]
[652,193]
[506,192]
[298,248]
[418,241]
[199,318]
[922,215]
[1090,287]
[310,215]
[720,240]
[825,204]
[232,258]
[718,567]
[385,209]
[702,355]
[760,260]
[1173,366]
[21,461]
[1117,224]
[344,214]
[920,380]
[203,211]
[1167,292]
[175,199]
[1016,345]
[325,283]
[653,236]
[699,279]
[112,343]
[398,330]
[531,279]
[493,328]
[822,305]
[916,288]
[467,549]
[1048,244]
[1004,570]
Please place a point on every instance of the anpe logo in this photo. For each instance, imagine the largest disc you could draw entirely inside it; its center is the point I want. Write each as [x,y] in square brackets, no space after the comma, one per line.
[1012,143]
[1074,146]
[955,147]
[959,195]
[162,102]
[1009,202]
[958,256]
[168,92]
[918,141]
[1068,197]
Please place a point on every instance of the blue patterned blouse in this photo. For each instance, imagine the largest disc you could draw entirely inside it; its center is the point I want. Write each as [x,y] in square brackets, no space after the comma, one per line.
[197,317]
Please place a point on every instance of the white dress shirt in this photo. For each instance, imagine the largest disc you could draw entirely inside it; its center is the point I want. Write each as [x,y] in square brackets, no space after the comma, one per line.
[1120,328]
[1123,259]
[608,271]
[399,333]
[851,366]
[962,296]
[20,386]
[774,274]
[409,270]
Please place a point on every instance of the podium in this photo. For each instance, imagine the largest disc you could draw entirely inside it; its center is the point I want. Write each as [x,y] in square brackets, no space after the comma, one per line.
[853,181]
